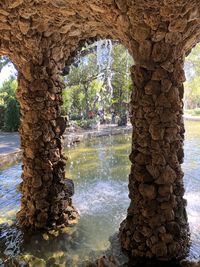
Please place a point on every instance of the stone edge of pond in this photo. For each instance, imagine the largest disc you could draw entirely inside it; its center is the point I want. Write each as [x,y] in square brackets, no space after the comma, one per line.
[8,159]
[71,138]
[191,118]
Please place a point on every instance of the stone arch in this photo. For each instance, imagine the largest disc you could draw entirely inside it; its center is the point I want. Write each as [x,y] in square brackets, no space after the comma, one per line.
[40,35]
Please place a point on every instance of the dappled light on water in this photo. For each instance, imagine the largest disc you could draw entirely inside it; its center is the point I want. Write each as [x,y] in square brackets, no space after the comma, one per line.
[192,183]
[100,171]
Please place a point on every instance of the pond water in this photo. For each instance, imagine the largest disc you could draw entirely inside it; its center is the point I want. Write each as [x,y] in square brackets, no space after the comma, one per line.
[100,169]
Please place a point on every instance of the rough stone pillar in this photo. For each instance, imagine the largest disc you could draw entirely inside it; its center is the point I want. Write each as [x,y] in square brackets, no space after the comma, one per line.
[46,194]
[156,223]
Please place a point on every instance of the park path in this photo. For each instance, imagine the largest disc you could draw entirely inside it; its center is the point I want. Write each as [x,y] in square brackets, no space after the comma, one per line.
[9,143]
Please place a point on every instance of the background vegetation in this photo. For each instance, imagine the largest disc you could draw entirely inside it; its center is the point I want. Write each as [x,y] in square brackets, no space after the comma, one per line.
[192,84]
[9,106]
[98,87]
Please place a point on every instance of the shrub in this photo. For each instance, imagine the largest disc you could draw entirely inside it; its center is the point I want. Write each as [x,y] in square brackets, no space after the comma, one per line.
[197,111]
[122,120]
[88,124]
[75,117]
[12,115]
[2,115]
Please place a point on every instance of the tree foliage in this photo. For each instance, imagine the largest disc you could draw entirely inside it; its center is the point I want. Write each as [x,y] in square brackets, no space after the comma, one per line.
[81,94]
[99,81]
[192,84]
[10,105]
[121,82]
[12,115]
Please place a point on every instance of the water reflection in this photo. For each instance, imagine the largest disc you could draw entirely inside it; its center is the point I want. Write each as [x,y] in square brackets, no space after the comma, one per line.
[100,171]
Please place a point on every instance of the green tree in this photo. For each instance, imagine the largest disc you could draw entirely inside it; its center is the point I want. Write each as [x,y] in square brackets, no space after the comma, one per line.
[192,85]
[121,81]
[99,80]
[12,115]
[8,89]
[67,98]
[83,86]
[11,106]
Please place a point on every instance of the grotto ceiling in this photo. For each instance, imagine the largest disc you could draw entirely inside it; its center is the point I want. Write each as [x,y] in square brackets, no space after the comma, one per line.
[29,27]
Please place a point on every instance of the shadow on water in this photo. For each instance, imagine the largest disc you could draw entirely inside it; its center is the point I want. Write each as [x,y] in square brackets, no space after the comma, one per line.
[152,263]
[47,248]
[54,248]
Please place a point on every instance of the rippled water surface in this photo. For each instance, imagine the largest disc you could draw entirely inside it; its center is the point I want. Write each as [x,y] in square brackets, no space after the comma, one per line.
[191,169]
[100,171]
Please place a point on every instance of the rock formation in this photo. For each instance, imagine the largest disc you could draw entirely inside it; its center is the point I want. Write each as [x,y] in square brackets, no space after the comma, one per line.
[40,37]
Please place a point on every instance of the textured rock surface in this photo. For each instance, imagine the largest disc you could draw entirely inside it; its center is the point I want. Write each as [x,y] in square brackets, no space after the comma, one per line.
[40,37]
[46,199]
[156,224]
